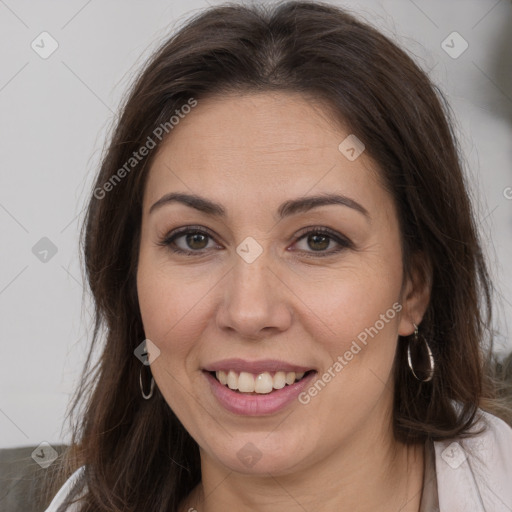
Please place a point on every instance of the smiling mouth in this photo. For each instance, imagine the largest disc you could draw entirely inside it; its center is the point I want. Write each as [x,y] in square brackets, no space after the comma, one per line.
[263,383]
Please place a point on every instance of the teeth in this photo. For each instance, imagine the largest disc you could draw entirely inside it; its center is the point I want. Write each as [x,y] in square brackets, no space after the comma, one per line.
[290,378]
[279,380]
[263,383]
[232,380]
[245,382]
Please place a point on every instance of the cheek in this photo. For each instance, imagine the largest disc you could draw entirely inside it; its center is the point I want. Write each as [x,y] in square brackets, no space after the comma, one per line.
[173,303]
[357,324]
[352,300]
[170,306]
[356,328]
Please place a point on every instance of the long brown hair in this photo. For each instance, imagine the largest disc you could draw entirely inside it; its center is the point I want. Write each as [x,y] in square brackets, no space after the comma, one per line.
[137,454]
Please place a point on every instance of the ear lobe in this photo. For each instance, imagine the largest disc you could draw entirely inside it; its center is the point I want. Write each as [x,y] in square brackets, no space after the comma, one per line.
[416,293]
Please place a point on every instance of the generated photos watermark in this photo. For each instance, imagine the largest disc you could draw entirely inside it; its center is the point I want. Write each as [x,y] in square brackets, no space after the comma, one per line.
[343,360]
[137,156]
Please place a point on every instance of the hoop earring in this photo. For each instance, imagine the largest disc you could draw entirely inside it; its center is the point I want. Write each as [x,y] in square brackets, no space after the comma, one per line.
[151,389]
[427,372]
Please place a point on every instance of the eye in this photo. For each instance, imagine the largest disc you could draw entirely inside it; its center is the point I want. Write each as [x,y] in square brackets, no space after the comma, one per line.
[194,241]
[320,238]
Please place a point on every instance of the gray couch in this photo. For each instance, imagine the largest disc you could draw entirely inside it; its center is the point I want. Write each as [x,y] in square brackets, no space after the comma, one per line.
[22,480]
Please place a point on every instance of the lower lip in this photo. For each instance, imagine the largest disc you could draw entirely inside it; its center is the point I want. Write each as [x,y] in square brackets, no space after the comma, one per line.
[257,405]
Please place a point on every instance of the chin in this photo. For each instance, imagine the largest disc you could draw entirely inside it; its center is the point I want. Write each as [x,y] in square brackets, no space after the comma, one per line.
[262,453]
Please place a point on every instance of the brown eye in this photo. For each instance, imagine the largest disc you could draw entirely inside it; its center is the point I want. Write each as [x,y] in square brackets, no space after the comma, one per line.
[196,240]
[319,239]
[318,242]
[192,241]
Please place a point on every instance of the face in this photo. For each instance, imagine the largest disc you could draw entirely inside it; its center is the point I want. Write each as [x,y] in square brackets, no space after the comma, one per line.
[271,287]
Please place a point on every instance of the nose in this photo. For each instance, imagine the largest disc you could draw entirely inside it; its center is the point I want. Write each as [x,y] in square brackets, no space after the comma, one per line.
[255,300]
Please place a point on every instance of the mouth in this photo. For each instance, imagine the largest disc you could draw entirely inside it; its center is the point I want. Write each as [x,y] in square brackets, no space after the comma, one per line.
[263,383]
[257,388]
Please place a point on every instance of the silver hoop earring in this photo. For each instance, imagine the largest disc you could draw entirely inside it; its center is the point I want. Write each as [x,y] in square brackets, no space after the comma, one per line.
[151,389]
[427,373]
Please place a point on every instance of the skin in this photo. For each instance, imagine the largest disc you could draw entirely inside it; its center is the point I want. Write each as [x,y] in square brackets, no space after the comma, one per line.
[251,153]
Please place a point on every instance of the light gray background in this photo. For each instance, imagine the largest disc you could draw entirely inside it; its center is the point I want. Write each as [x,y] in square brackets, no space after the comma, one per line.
[54,116]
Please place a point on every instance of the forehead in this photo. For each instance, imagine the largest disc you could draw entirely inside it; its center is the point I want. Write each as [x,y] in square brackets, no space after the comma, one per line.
[259,147]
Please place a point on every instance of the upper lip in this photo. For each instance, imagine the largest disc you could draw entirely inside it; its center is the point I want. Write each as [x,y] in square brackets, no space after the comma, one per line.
[263,365]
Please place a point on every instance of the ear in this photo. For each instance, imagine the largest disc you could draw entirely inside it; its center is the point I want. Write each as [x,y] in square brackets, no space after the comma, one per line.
[416,291]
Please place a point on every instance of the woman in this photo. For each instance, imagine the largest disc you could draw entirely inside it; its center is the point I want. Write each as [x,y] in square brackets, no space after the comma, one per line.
[285,260]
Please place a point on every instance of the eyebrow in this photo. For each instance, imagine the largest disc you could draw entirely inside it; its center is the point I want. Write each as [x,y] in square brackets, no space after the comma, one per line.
[288,208]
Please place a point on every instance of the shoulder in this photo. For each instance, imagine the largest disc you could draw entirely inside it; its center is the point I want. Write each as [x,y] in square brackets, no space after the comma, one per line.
[493,444]
[497,430]
[475,472]
[65,492]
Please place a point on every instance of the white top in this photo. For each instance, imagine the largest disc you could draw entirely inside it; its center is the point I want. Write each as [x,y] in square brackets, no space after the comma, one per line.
[472,475]
[63,492]
[475,474]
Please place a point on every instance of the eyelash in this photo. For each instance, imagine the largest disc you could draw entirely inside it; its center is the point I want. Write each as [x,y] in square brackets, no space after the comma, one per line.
[169,240]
